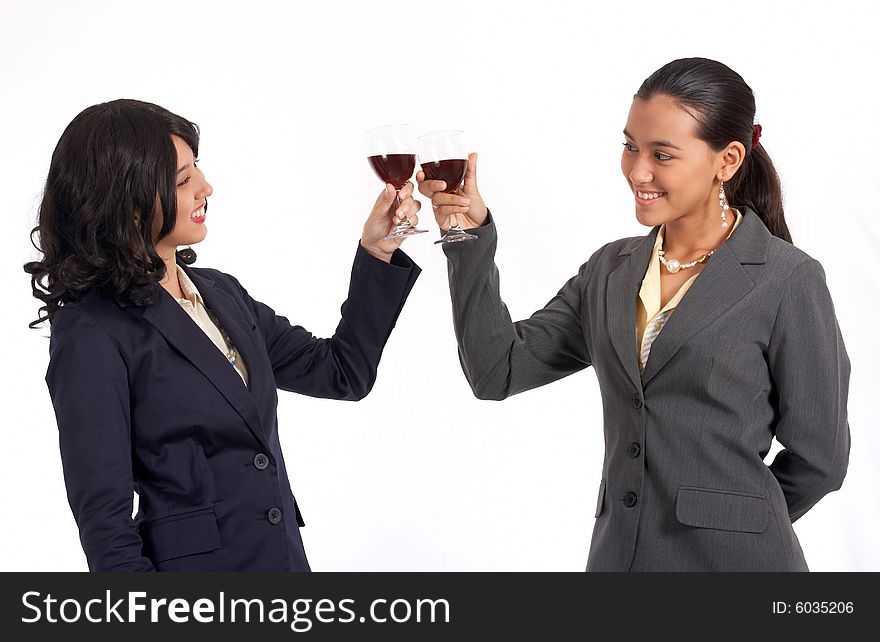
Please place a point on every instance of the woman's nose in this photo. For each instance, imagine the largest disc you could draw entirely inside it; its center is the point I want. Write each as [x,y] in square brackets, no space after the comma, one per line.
[641,173]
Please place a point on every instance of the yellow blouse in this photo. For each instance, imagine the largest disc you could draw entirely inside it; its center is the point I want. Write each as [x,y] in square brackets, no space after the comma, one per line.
[650,319]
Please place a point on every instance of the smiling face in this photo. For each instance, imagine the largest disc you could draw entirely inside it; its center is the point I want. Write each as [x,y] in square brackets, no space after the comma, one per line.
[192,193]
[671,172]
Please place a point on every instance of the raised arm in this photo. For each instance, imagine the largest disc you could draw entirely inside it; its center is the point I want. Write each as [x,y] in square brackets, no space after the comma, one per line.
[499,357]
[345,365]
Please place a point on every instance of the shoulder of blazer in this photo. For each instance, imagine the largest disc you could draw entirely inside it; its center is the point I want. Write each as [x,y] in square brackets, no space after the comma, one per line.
[94,310]
[94,306]
[115,313]
[758,245]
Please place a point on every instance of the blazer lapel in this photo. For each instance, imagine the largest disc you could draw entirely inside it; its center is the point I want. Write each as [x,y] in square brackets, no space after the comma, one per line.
[721,284]
[239,329]
[180,331]
[623,291]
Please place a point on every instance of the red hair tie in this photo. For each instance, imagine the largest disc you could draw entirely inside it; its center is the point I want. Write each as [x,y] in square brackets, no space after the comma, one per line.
[756,135]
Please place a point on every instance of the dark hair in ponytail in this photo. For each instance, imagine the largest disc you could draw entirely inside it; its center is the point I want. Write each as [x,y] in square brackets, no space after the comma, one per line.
[113,172]
[724,107]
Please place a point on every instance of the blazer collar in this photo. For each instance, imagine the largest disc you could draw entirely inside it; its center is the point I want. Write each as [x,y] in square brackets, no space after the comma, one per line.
[189,340]
[720,285]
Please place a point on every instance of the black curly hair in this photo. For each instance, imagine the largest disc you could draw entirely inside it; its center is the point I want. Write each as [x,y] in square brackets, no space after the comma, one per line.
[112,173]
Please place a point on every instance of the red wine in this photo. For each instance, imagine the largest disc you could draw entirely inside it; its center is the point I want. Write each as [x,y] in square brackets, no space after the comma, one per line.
[396,169]
[450,171]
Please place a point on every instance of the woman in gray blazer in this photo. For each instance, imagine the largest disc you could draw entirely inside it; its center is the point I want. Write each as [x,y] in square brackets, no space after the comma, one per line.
[698,372]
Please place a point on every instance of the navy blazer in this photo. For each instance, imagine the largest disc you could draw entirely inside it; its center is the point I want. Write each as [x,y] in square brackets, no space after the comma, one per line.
[146,402]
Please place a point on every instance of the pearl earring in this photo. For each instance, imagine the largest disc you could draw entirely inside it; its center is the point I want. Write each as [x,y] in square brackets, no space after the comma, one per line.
[725,206]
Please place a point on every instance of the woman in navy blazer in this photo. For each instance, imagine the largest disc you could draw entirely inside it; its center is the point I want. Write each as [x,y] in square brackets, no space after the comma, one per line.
[145,400]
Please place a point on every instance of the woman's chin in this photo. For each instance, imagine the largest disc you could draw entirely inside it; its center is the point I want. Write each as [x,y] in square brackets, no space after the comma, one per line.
[648,219]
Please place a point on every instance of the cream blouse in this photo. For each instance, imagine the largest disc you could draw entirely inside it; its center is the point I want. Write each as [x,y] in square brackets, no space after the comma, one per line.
[194,306]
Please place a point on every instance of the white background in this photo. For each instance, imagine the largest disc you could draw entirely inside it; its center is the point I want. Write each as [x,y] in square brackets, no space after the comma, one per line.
[421,475]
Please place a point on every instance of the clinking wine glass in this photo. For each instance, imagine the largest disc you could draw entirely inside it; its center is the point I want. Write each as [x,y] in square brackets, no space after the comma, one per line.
[443,156]
[391,153]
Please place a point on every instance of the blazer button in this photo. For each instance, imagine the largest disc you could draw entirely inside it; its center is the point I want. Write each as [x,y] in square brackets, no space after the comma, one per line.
[261,462]
[634,450]
[630,500]
[637,401]
[274,515]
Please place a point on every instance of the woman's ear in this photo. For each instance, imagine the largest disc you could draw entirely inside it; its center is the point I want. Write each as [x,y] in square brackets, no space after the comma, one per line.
[730,160]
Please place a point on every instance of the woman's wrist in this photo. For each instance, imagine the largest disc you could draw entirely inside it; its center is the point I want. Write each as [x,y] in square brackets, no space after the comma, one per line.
[377,252]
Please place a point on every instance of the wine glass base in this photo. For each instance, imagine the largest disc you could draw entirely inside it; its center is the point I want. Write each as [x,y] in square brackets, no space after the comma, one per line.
[455,236]
[403,231]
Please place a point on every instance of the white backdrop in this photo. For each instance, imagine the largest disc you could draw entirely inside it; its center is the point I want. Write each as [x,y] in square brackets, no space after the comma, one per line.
[420,475]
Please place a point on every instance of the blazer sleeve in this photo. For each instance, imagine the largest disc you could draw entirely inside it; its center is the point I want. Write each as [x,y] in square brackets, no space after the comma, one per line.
[810,370]
[88,383]
[345,365]
[499,357]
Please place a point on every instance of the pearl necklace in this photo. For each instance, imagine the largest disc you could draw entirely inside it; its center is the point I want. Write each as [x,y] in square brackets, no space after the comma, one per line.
[674,265]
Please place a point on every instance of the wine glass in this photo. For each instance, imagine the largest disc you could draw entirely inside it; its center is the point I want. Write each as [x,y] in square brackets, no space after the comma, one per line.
[443,156]
[391,153]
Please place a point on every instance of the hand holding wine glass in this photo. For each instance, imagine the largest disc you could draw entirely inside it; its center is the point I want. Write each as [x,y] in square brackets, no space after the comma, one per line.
[385,217]
[465,204]
[443,156]
[392,155]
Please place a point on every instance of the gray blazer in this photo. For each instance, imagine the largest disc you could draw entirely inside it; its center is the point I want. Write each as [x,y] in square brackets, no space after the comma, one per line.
[752,351]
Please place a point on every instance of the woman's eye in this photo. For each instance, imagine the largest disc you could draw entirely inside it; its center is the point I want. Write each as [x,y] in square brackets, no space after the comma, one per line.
[183,182]
[658,155]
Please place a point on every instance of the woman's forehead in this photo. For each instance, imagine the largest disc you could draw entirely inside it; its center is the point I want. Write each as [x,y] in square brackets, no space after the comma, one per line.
[660,118]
